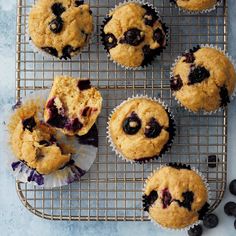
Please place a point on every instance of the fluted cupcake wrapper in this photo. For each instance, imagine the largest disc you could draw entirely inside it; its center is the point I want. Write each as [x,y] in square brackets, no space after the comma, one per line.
[205,11]
[165,148]
[85,151]
[172,75]
[181,166]
[165,28]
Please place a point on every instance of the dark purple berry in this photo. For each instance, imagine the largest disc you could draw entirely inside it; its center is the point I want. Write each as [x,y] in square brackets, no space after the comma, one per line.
[179,166]
[86,111]
[29,124]
[73,125]
[195,49]
[196,230]
[229,207]
[188,200]
[91,138]
[133,37]
[152,129]
[110,41]
[84,84]
[202,212]
[173,1]
[158,36]
[235,224]
[189,57]
[210,221]
[150,16]
[212,161]
[176,83]
[166,198]
[149,200]
[57,9]
[198,74]
[56,25]
[132,124]
[232,187]
[78,3]
[50,50]
[44,143]
[67,52]
[224,95]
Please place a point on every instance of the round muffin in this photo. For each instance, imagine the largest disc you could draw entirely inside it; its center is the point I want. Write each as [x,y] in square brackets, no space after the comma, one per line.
[196,5]
[60,27]
[203,79]
[34,142]
[140,129]
[73,105]
[133,34]
[175,196]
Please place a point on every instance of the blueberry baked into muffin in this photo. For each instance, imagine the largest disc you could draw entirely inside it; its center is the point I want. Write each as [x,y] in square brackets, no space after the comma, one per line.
[34,142]
[60,27]
[73,105]
[133,34]
[175,196]
[196,5]
[203,79]
[140,129]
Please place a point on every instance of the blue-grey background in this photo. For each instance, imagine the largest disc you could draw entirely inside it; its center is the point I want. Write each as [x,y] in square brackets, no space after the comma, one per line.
[16,220]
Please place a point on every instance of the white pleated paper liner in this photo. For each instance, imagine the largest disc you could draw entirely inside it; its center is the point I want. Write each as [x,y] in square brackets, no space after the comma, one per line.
[46,55]
[231,97]
[192,12]
[85,152]
[166,147]
[152,58]
[204,209]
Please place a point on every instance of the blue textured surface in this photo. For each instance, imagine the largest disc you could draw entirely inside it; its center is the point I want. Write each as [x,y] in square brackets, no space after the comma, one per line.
[16,220]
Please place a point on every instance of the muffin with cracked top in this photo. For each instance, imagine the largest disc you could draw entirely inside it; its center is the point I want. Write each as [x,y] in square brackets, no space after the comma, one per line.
[133,34]
[140,129]
[60,28]
[203,79]
[175,196]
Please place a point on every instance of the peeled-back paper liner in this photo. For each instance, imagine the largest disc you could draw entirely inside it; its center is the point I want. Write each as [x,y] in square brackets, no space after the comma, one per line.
[48,55]
[85,146]
[168,144]
[172,74]
[165,28]
[204,179]
[198,12]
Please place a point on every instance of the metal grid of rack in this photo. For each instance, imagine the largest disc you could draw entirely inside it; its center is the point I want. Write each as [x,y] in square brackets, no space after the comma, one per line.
[112,189]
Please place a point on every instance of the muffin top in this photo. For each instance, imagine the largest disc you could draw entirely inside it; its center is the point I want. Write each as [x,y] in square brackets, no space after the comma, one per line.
[140,129]
[195,5]
[73,105]
[203,79]
[175,196]
[60,27]
[34,142]
[133,34]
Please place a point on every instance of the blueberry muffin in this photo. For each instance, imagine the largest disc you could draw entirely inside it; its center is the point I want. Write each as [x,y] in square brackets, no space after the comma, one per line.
[195,5]
[34,142]
[140,129]
[73,105]
[60,27]
[203,79]
[175,196]
[133,34]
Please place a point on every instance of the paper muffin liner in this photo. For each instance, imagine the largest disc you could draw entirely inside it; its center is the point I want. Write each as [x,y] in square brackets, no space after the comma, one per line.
[231,97]
[85,151]
[165,28]
[205,208]
[49,56]
[191,12]
[166,147]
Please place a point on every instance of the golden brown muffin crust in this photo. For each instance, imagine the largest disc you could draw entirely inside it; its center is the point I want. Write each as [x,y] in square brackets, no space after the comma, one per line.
[196,5]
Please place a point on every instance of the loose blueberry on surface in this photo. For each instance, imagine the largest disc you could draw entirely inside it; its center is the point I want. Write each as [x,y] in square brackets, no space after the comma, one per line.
[132,124]
[57,9]
[150,16]
[202,212]
[110,41]
[229,207]
[56,25]
[212,161]
[158,36]
[67,51]
[188,200]
[166,198]
[84,84]
[198,74]
[232,187]
[196,230]
[210,221]
[189,57]
[224,95]
[133,37]
[176,83]
[235,224]
[149,200]
[29,124]
[152,129]
[50,50]
[78,3]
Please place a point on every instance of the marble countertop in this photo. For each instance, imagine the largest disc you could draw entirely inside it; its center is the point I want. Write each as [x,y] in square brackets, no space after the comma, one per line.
[16,220]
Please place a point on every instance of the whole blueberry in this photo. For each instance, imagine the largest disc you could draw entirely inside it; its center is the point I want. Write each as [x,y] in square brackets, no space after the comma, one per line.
[132,124]
[232,187]
[133,37]
[212,161]
[229,207]
[195,231]
[210,221]
[56,25]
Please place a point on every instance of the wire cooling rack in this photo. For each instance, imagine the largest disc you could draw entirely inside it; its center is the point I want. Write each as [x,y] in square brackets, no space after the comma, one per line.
[112,189]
